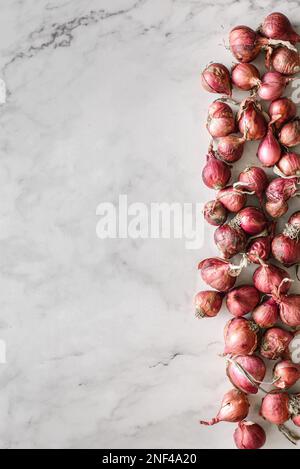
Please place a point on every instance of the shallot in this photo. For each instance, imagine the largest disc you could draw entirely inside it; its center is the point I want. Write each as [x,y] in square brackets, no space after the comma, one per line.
[285,374]
[288,165]
[216,173]
[266,314]
[268,277]
[276,209]
[208,303]
[279,407]
[289,309]
[242,300]
[245,76]
[283,60]
[216,79]
[240,337]
[243,365]
[232,198]
[234,408]
[220,120]
[219,273]
[272,86]
[269,150]
[230,148]
[251,220]
[281,111]
[290,133]
[275,343]
[230,240]
[286,246]
[253,179]
[215,213]
[278,26]
[259,248]
[249,435]
[251,120]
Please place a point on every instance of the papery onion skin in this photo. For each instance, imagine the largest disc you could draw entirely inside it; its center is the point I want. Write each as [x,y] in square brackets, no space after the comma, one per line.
[268,277]
[233,199]
[216,79]
[234,408]
[275,343]
[286,250]
[281,190]
[245,76]
[281,111]
[276,209]
[230,148]
[290,133]
[208,303]
[251,220]
[215,213]
[244,43]
[242,300]
[272,86]
[215,173]
[275,408]
[289,309]
[217,273]
[284,61]
[240,337]
[220,121]
[269,150]
[289,164]
[230,240]
[285,374]
[253,365]
[251,121]
[249,435]
[277,26]
[266,314]
[255,180]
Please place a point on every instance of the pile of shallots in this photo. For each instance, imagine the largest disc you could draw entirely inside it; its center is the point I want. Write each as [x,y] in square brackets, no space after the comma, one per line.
[265,314]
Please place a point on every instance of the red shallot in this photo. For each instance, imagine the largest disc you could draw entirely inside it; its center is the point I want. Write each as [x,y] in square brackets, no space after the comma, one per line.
[253,179]
[269,150]
[289,309]
[268,277]
[276,209]
[216,79]
[240,337]
[283,60]
[290,133]
[275,343]
[249,435]
[245,76]
[230,240]
[208,303]
[216,173]
[243,365]
[266,314]
[242,300]
[251,220]
[272,86]
[219,273]
[232,198]
[288,165]
[234,408]
[259,248]
[230,148]
[281,111]
[279,407]
[285,374]
[286,246]
[220,120]
[215,213]
[277,26]
[251,120]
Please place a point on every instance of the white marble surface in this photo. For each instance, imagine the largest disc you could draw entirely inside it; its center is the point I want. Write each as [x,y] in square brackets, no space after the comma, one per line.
[102,346]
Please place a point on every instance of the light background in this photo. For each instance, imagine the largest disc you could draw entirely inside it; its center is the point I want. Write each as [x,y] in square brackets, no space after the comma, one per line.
[103,349]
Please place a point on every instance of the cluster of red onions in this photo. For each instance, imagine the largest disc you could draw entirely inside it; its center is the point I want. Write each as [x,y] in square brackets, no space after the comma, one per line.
[265,313]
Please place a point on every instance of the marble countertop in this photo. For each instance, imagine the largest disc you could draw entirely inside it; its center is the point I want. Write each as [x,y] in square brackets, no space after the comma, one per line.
[102,347]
